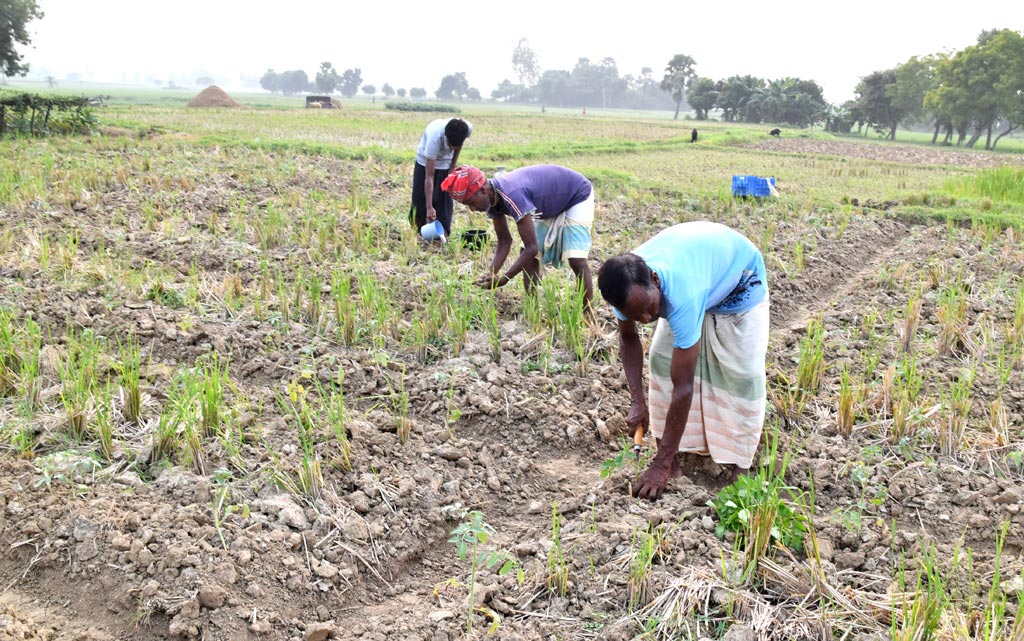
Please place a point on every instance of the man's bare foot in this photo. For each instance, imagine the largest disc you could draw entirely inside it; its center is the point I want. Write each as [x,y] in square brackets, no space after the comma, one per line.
[735,471]
[677,469]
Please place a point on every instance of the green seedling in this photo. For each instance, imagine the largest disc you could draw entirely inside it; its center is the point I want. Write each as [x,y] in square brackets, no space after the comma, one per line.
[104,422]
[214,381]
[130,368]
[952,313]
[468,536]
[811,367]
[333,401]
[638,584]
[956,407]
[921,615]
[345,310]
[625,456]
[558,567]
[220,505]
[310,480]
[79,378]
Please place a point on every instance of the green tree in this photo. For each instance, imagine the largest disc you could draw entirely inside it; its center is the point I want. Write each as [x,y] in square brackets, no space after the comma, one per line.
[643,91]
[369,90]
[327,79]
[453,85]
[401,93]
[271,81]
[596,85]
[702,96]
[351,81]
[950,100]
[553,87]
[14,16]
[1008,49]
[734,94]
[795,102]
[506,90]
[294,81]
[418,93]
[387,90]
[678,75]
[524,63]
[980,88]
[841,118]
[913,80]
[874,97]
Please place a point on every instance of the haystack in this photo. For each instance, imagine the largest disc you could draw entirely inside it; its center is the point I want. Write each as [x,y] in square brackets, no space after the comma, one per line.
[212,96]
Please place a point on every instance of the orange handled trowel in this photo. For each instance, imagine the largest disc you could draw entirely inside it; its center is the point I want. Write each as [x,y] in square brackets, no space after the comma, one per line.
[638,441]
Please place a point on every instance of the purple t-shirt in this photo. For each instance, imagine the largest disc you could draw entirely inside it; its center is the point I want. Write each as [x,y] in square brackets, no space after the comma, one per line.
[545,191]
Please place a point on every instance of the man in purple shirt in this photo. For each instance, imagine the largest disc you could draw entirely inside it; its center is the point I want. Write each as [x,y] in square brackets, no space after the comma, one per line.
[553,210]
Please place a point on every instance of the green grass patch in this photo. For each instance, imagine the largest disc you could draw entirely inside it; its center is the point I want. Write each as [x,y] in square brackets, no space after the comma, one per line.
[1003,184]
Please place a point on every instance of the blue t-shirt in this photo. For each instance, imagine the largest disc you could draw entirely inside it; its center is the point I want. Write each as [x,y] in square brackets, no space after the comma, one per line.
[434,146]
[545,191]
[703,267]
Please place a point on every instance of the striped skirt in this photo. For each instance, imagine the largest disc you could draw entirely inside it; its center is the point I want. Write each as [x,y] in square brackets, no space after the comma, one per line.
[727,412]
[567,235]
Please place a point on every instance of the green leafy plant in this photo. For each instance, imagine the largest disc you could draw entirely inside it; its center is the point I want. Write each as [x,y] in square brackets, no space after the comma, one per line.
[761,509]
[468,536]
[625,456]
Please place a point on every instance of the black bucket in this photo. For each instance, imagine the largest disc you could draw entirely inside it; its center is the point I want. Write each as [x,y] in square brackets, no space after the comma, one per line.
[474,239]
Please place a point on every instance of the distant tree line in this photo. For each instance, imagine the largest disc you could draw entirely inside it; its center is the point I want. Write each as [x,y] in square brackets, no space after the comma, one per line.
[588,84]
[974,93]
[792,101]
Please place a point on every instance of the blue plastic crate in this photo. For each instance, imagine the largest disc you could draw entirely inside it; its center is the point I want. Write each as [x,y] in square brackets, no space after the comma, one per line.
[756,186]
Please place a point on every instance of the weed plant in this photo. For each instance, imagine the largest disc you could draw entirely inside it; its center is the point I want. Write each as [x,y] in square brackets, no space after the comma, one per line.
[756,509]
[468,537]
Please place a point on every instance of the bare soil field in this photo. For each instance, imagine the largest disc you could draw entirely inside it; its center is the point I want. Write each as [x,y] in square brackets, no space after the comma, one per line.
[224,538]
[890,152]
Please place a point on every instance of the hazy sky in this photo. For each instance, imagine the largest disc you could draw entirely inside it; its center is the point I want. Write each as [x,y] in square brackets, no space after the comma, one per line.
[414,44]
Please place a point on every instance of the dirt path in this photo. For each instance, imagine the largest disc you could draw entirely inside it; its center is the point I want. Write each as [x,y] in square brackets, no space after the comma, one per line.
[834,272]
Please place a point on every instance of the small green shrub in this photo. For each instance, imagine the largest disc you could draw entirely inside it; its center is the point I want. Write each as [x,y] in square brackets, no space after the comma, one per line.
[421,106]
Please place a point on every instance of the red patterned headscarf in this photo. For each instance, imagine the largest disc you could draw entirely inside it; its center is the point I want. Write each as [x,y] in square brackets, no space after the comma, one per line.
[463,182]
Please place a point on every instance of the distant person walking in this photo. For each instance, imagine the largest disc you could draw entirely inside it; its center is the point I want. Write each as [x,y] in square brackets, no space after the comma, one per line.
[553,210]
[437,152]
